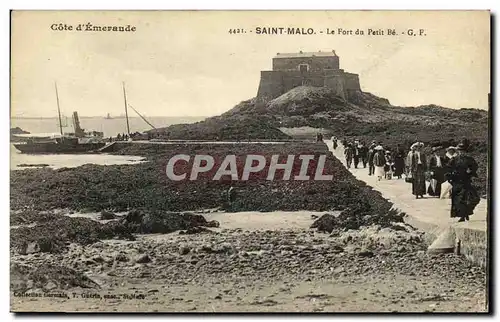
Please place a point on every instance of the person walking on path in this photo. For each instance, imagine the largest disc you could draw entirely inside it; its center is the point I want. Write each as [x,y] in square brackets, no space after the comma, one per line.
[417,166]
[348,155]
[379,162]
[446,185]
[356,154]
[334,141]
[371,153]
[363,153]
[464,197]
[436,172]
[389,165]
[451,152]
[399,161]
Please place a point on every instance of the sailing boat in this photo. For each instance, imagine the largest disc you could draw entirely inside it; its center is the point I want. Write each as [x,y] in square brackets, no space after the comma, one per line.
[137,134]
[78,142]
[108,117]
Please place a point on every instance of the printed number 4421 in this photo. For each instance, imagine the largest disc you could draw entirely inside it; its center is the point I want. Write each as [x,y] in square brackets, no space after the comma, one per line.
[236,31]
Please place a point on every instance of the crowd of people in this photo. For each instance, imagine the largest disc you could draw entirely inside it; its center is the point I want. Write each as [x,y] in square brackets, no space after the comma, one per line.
[125,137]
[449,173]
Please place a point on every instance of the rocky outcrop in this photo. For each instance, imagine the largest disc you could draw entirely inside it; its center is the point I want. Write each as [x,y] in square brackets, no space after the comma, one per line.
[307,101]
[47,277]
[18,130]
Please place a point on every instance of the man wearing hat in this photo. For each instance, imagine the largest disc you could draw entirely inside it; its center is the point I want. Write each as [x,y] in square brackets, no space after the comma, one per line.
[363,153]
[348,152]
[436,171]
[355,153]
[371,153]
[464,197]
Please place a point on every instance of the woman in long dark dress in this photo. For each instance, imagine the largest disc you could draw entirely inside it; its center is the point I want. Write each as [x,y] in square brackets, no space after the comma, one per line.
[399,162]
[417,164]
[464,197]
[334,141]
[450,154]
[436,169]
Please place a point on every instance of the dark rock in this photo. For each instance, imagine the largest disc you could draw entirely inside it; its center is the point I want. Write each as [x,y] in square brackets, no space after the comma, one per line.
[152,222]
[121,258]
[325,223]
[107,215]
[365,253]
[195,230]
[50,286]
[53,236]
[143,258]
[48,277]
[184,250]
[98,259]
[213,223]
[32,248]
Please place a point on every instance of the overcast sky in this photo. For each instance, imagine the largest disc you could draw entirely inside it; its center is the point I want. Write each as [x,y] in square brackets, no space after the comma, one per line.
[187,64]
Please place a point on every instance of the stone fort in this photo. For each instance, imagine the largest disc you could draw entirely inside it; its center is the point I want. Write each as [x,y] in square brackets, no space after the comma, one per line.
[321,69]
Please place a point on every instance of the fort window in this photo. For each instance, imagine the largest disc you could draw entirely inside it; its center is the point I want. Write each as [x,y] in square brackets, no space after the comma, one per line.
[303,68]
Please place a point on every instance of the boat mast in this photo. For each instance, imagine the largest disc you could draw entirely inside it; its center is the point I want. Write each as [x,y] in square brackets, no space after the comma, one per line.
[126,111]
[142,117]
[58,109]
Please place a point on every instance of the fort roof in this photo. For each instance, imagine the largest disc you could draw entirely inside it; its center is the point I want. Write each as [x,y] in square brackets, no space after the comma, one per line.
[309,54]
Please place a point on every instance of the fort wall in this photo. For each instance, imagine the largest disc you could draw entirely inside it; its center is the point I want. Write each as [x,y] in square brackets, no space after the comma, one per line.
[315,64]
[318,71]
[271,85]
[352,82]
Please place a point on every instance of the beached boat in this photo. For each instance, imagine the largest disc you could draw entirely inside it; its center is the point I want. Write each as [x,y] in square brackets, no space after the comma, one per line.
[60,144]
[77,142]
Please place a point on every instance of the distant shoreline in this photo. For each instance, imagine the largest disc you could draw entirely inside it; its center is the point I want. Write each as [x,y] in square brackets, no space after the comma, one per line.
[91,117]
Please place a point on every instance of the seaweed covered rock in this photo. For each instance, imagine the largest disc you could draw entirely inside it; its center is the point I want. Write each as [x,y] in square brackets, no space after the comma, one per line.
[54,236]
[326,223]
[106,215]
[47,277]
[141,222]
[357,216]
[29,216]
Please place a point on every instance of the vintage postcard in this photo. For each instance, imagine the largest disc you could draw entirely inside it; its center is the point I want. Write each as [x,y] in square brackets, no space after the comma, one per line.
[249,161]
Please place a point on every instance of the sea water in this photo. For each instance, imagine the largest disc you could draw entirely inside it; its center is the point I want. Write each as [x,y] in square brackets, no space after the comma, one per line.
[56,161]
[110,127]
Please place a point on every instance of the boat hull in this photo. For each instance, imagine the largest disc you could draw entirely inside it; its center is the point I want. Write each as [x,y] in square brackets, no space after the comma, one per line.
[51,148]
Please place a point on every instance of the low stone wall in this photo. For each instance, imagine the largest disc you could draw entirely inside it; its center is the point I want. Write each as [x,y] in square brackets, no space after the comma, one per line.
[473,244]
[470,242]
